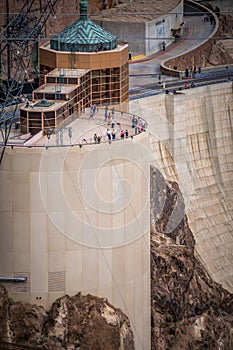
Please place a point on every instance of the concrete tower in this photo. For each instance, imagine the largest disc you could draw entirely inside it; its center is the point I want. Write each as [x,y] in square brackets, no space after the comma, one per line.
[76,217]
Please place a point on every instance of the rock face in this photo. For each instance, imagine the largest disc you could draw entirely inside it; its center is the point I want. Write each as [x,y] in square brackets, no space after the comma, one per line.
[222,50]
[86,322]
[66,12]
[78,322]
[189,310]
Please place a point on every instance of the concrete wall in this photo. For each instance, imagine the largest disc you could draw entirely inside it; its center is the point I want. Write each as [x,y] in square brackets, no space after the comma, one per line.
[75,219]
[192,143]
[145,37]
[131,32]
[159,30]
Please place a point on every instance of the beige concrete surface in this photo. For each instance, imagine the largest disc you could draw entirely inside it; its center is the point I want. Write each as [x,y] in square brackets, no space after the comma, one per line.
[192,142]
[75,219]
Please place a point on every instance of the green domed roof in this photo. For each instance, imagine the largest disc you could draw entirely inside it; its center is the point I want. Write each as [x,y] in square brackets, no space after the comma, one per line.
[83,36]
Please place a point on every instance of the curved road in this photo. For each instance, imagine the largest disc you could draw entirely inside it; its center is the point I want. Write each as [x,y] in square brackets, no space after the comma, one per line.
[146,71]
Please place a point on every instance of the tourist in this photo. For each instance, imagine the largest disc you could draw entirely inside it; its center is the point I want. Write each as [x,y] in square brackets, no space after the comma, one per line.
[106,113]
[133,121]
[113,111]
[122,134]
[109,118]
[91,113]
[113,123]
[194,71]
[95,138]
[164,45]
[143,124]
[126,133]
[108,133]
[113,134]
[94,109]
[118,128]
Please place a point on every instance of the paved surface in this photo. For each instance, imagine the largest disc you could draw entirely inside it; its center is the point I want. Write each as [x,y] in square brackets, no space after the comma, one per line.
[147,71]
[83,130]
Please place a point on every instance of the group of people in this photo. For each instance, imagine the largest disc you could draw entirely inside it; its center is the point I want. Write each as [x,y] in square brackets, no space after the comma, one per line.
[109,116]
[209,19]
[114,129]
[193,72]
[138,124]
[112,135]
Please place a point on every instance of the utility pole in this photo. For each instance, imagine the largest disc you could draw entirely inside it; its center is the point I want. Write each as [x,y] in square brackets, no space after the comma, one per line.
[8,42]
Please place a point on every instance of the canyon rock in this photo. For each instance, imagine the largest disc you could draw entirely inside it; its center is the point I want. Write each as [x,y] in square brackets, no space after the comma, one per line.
[83,322]
[189,310]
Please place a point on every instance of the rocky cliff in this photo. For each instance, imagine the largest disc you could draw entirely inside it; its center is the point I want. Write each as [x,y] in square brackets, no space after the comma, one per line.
[189,310]
[78,322]
[222,50]
[65,12]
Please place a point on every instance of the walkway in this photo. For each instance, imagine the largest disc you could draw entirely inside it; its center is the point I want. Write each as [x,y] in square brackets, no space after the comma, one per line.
[83,130]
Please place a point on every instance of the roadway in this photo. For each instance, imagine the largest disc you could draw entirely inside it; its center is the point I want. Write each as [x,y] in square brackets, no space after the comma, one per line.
[146,71]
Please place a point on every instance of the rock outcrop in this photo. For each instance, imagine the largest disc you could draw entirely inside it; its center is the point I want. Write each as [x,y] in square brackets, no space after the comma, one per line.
[189,310]
[222,50]
[86,322]
[78,322]
[66,12]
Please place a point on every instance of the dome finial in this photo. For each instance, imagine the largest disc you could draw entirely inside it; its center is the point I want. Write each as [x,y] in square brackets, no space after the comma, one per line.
[83,9]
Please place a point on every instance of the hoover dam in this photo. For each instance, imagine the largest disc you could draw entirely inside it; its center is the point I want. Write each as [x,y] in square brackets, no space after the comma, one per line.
[76,214]
[75,218]
[191,140]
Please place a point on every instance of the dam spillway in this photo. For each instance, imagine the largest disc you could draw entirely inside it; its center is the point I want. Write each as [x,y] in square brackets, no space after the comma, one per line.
[191,137]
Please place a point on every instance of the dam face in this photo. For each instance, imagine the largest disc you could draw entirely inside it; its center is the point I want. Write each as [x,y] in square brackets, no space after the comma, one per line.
[191,135]
[74,219]
[78,218]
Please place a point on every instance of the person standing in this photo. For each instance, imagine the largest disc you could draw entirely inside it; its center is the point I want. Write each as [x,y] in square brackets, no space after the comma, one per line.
[164,45]
[113,123]
[106,113]
[91,113]
[109,118]
[108,132]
